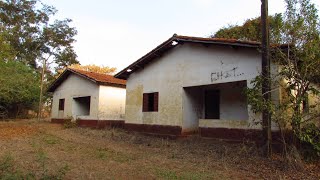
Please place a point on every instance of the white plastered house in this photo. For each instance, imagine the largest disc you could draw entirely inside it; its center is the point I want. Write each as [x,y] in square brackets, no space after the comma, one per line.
[93,99]
[190,84]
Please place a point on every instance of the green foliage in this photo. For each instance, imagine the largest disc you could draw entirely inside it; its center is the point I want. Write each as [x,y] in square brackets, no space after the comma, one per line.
[311,135]
[284,114]
[19,86]
[258,104]
[278,111]
[251,29]
[301,68]
[26,26]
[7,52]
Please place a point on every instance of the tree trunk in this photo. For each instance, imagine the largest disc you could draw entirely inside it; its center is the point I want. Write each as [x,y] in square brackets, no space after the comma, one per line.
[41,89]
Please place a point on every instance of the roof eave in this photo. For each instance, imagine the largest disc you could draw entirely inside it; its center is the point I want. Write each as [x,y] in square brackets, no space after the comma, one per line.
[112,84]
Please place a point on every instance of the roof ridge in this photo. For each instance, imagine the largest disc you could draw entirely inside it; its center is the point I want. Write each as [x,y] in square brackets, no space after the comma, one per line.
[227,40]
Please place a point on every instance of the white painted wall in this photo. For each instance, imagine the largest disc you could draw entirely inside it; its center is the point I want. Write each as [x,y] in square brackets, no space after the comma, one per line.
[186,65]
[193,109]
[75,86]
[112,103]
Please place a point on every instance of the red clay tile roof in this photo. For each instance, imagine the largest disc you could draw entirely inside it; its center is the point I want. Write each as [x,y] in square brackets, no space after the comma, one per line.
[99,78]
[169,44]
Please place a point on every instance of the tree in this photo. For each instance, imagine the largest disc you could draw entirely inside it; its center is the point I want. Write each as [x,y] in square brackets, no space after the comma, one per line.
[251,30]
[23,26]
[300,67]
[94,68]
[56,48]
[299,75]
[19,87]
[28,29]
[26,26]
[7,52]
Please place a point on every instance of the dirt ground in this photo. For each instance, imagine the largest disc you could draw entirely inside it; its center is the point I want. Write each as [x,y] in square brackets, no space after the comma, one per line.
[80,153]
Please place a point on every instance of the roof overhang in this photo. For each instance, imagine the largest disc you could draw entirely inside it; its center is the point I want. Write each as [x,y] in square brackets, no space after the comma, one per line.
[65,74]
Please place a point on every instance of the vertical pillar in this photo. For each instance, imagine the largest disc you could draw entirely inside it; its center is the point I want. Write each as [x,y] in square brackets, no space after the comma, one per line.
[266,116]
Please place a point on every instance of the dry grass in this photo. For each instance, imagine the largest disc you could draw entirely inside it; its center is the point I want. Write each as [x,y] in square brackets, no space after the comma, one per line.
[46,149]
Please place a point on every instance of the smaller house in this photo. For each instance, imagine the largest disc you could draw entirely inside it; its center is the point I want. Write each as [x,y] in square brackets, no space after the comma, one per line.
[92,99]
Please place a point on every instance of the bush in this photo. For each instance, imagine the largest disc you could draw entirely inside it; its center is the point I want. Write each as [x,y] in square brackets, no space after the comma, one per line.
[19,90]
[69,124]
[310,136]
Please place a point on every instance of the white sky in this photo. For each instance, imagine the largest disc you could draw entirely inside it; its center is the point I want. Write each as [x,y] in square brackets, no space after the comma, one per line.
[116,33]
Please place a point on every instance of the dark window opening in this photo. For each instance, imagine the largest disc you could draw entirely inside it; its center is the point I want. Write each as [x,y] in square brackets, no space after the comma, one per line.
[212,104]
[61,104]
[150,102]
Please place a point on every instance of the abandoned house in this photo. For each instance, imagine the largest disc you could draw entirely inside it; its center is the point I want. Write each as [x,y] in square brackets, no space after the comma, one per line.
[92,99]
[193,85]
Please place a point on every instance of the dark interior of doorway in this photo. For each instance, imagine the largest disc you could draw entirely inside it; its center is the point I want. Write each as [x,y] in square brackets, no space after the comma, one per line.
[212,104]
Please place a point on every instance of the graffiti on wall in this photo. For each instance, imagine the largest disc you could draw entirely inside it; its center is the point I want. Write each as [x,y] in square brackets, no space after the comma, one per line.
[219,75]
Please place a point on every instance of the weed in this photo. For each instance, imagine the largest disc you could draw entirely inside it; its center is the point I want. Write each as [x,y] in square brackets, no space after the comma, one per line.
[175,154]
[69,124]
[8,170]
[166,174]
[6,164]
[50,139]
[196,175]
[58,175]
[105,153]
[42,159]
[102,153]
[121,157]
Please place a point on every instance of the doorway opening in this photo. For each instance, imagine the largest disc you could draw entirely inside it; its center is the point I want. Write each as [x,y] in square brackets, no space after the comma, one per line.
[81,106]
[212,104]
